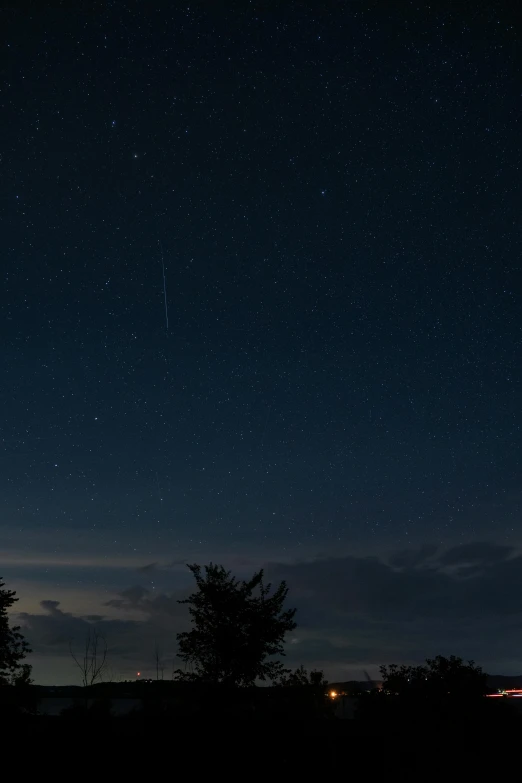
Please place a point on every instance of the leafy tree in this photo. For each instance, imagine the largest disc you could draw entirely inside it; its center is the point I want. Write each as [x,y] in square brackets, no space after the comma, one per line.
[23,676]
[13,647]
[301,695]
[441,677]
[301,677]
[445,691]
[237,627]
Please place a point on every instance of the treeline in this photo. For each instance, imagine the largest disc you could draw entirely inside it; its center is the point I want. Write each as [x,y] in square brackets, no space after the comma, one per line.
[236,644]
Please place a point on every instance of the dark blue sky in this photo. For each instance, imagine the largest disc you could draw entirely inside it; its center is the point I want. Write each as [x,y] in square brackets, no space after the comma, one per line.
[333,194]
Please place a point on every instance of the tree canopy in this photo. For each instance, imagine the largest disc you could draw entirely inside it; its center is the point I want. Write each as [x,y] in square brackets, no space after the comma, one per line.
[13,647]
[440,677]
[444,691]
[238,627]
[300,677]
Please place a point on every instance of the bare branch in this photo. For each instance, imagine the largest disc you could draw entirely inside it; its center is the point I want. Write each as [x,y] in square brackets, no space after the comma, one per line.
[81,666]
[94,660]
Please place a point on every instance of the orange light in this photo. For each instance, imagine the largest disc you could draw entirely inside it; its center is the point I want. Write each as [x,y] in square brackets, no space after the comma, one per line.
[333,694]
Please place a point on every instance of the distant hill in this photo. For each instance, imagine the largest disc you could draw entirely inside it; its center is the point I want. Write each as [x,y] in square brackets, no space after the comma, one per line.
[501,681]
[495,682]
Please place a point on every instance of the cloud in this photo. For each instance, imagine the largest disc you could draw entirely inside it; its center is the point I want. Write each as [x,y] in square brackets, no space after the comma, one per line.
[12,558]
[130,598]
[409,558]
[52,627]
[146,619]
[478,552]
[418,584]
[151,603]
[353,612]
[148,568]
[51,607]
[464,600]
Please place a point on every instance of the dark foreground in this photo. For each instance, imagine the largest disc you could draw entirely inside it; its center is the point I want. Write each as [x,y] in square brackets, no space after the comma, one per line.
[307,748]
[283,736]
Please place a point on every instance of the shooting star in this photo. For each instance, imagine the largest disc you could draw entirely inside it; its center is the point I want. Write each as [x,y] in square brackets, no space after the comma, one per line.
[164,286]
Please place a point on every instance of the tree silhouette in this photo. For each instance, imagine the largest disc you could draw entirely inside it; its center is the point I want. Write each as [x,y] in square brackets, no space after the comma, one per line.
[441,678]
[13,647]
[444,690]
[305,694]
[301,677]
[237,627]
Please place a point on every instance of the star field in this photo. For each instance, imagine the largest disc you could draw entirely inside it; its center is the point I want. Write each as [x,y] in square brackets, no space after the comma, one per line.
[260,286]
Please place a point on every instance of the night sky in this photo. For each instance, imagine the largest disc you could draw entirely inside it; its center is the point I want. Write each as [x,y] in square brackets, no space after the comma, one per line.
[260,305]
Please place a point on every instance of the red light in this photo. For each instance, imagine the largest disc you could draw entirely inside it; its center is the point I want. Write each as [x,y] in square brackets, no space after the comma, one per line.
[509,693]
[138,673]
